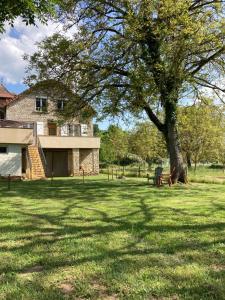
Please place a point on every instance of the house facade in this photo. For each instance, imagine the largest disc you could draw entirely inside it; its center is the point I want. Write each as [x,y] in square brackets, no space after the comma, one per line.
[34,143]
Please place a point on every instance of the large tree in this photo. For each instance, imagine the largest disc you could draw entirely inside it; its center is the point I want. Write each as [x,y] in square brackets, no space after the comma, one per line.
[138,56]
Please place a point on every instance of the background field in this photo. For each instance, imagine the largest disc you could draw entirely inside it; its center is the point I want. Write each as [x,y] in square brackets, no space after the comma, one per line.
[120,239]
[203,174]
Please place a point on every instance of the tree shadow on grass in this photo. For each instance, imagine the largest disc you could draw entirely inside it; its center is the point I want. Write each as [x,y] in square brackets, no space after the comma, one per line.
[72,225]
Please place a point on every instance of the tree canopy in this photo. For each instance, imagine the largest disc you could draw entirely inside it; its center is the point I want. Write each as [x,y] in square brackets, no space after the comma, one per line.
[114,144]
[146,142]
[202,140]
[138,56]
[28,10]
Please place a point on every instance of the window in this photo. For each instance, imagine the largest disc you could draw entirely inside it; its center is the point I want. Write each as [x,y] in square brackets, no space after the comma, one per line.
[60,104]
[84,129]
[41,104]
[52,128]
[74,129]
[3,150]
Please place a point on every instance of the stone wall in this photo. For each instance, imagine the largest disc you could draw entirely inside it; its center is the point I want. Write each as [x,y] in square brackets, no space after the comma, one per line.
[11,162]
[76,161]
[88,159]
[23,109]
[96,161]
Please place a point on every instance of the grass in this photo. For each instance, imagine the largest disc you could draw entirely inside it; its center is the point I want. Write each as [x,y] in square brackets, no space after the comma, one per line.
[204,174]
[111,240]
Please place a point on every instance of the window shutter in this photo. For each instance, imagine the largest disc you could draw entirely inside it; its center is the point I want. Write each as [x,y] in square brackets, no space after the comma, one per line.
[64,130]
[84,129]
[40,128]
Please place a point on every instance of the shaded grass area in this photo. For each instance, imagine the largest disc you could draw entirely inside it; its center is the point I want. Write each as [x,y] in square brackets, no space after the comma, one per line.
[111,240]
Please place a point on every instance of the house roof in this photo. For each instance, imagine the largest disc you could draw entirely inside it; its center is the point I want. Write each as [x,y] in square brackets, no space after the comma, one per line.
[5,96]
[4,93]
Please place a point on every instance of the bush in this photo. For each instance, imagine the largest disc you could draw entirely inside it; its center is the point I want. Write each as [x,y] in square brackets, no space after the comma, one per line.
[214,166]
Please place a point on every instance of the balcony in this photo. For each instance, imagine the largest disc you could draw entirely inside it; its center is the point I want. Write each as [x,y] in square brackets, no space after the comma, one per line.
[12,132]
[69,142]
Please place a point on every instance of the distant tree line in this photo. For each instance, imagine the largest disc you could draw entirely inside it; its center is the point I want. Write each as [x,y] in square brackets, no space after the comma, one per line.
[201,141]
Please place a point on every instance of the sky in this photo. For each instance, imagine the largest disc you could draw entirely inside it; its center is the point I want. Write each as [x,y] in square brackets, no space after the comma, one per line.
[19,40]
[14,43]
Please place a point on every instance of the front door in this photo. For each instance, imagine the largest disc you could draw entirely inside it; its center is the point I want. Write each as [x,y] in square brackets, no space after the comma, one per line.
[57,163]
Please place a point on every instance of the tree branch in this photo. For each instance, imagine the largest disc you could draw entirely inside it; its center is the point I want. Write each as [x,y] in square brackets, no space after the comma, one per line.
[206,83]
[200,3]
[152,116]
[204,61]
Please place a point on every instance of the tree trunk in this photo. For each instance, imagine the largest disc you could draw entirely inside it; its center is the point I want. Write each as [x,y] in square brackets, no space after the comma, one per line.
[188,157]
[195,164]
[169,130]
[177,167]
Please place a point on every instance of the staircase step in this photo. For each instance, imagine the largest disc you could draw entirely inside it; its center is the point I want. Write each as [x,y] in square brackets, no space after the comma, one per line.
[37,169]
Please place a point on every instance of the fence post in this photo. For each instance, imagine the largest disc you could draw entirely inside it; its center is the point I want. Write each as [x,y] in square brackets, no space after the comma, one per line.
[9,182]
[112,172]
[139,171]
[108,173]
[52,178]
[116,174]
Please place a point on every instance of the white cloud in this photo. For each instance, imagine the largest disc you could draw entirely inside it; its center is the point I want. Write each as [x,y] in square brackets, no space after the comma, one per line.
[17,41]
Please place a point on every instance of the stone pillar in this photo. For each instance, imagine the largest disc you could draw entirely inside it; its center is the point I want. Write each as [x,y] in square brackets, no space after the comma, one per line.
[76,161]
[95,157]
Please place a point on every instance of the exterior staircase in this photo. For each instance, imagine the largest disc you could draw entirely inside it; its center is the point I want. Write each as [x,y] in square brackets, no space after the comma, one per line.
[37,169]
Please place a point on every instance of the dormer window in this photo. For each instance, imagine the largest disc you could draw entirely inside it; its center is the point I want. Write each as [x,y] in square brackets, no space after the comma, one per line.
[60,105]
[41,104]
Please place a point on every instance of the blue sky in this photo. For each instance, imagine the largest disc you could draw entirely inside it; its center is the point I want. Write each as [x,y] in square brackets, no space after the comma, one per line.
[13,86]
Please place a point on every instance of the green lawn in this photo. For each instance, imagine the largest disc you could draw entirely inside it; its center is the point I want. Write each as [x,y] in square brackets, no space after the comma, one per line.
[111,240]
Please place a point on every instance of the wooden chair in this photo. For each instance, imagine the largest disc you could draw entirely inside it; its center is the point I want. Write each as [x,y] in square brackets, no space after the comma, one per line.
[167,177]
[159,177]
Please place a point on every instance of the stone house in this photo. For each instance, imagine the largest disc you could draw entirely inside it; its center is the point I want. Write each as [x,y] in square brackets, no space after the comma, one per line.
[34,143]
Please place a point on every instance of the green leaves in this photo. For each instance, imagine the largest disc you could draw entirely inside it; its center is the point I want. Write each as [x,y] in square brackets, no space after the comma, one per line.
[28,10]
[201,128]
